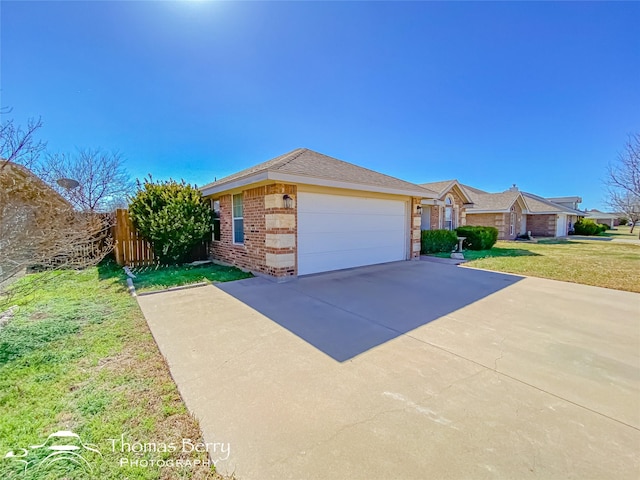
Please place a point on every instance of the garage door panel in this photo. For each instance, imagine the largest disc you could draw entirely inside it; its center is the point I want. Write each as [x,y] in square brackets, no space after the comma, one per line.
[315,222]
[337,204]
[326,241]
[357,258]
[336,232]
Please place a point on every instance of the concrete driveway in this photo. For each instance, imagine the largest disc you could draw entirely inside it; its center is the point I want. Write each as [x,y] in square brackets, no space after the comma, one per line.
[411,370]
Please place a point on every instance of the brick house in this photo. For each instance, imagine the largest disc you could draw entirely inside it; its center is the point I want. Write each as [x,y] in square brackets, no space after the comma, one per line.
[448,210]
[304,212]
[549,219]
[512,212]
[506,211]
[611,219]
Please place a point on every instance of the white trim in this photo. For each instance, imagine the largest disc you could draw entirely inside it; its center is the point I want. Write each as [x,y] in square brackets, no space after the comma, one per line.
[303,179]
[234,218]
[431,202]
[241,182]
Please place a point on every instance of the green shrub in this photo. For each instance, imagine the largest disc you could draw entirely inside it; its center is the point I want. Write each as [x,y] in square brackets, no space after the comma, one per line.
[623,221]
[172,216]
[478,238]
[587,226]
[434,241]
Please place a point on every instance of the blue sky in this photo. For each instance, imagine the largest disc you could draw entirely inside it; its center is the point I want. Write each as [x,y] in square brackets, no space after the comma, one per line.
[538,94]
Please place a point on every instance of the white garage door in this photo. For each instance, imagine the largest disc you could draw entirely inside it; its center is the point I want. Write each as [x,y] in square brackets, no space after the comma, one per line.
[336,232]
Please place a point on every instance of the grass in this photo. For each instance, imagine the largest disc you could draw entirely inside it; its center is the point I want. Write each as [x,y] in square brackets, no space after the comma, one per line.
[603,264]
[621,232]
[158,278]
[77,355]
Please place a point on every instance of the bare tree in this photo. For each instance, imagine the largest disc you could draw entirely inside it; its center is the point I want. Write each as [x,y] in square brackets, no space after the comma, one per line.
[38,227]
[623,180]
[626,205]
[19,145]
[103,180]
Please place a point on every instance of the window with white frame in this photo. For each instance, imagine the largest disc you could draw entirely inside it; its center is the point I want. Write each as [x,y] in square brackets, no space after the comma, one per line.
[238,219]
[448,214]
[512,222]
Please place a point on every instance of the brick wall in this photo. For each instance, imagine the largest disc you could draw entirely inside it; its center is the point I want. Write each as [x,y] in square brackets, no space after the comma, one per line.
[269,249]
[490,220]
[459,214]
[542,225]
[281,231]
[435,217]
[517,224]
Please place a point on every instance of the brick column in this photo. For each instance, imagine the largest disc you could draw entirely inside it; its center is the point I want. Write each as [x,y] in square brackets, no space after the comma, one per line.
[415,230]
[280,231]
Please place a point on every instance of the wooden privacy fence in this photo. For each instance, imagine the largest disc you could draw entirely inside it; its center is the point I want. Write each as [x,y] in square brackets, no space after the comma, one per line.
[129,247]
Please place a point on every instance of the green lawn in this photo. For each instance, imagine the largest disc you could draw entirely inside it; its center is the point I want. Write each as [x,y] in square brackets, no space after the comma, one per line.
[78,356]
[601,263]
[158,278]
[622,232]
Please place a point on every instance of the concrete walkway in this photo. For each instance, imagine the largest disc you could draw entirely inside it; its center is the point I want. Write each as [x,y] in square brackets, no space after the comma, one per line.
[525,378]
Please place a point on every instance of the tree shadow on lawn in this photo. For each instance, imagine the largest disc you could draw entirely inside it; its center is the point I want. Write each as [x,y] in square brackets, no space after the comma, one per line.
[346,313]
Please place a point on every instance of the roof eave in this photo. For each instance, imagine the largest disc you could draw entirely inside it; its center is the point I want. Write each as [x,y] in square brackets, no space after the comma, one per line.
[301,179]
[471,211]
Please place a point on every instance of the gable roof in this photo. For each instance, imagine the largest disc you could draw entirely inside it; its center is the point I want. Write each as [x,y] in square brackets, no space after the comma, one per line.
[493,202]
[594,213]
[308,167]
[540,205]
[439,187]
[571,199]
[445,186]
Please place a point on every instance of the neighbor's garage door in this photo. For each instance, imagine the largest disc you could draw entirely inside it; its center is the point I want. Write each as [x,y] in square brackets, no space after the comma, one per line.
[336,232]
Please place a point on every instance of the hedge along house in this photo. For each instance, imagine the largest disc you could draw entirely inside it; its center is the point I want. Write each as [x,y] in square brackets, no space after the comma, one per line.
[448,210]
[305,212]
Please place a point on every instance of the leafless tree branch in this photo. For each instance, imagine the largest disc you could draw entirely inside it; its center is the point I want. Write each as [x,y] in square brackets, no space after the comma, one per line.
[19,145]
[623,181]
[102,177]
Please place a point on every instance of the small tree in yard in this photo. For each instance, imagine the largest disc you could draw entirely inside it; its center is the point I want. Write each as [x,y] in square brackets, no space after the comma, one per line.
[623,180]
[172,216]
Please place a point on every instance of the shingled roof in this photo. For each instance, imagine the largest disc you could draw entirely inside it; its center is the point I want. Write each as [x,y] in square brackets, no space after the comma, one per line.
[540,205]
[439,187]
[306,166]
[445,186]
[492,202]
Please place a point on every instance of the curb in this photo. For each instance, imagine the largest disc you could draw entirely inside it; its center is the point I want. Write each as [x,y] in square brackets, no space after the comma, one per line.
[173,289]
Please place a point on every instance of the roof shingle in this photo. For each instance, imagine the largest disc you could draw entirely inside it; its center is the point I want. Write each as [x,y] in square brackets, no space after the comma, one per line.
[307,163]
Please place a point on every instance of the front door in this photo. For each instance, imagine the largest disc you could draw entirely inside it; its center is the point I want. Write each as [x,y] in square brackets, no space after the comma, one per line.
[425,218]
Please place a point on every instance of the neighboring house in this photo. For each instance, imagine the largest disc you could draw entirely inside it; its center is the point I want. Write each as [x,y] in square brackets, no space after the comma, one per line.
[448,210]
[305,212]
[512,212]
[549,219]
[611,219]
[570,202]
[505,211]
